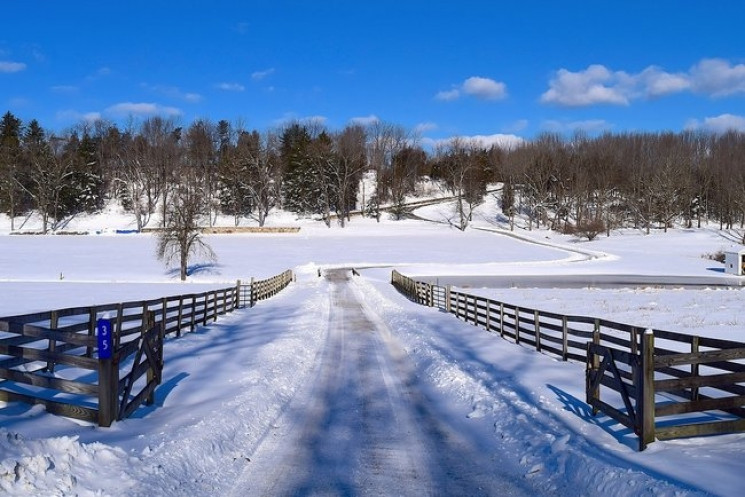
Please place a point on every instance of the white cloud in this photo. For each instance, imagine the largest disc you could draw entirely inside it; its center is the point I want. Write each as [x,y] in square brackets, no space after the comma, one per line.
[141,109]
[599,85]
[448,95]
[484,88]
[718,124]
[366,120]
[589,126]
[424,127]
[517,126]
[655,82]
[259,75]
[8,66]
[230,86]
[291,117]
[718,78]
[174,92]
[476,86]
[594,85]
[504,141]
[73,115]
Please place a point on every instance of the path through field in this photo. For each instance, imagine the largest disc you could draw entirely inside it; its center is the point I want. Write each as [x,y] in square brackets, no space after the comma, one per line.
[363,427]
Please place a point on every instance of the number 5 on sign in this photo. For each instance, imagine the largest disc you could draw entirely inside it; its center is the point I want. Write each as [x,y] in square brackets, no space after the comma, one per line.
[105,343]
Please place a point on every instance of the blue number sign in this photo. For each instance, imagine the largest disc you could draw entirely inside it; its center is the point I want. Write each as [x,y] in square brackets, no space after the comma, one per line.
[105,343]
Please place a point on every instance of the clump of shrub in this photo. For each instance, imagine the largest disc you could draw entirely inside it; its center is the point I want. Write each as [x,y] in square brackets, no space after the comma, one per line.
[716,256]
[589,229]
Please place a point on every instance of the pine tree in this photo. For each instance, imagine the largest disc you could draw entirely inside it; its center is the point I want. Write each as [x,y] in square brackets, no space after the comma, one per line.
[11,194]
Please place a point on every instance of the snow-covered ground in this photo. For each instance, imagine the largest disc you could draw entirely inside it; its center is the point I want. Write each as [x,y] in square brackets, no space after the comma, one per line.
[225,388]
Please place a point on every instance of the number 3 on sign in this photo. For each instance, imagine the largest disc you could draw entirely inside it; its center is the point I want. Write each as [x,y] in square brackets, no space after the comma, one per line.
[103,330]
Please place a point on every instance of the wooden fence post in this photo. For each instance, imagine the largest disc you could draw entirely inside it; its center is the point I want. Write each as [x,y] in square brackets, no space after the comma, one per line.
[448,305]
[537,323]
[237,300]
[591,367]
[164,304]
[596,340]
[501,319]
[564,338]
[206,313]
[645,400]
[488,315]
[517,325]
[117,329]
[251,292]
[192,325]
[149,323]
[180,315]
[694,366]
[92,315]
[53,324]
[108,390]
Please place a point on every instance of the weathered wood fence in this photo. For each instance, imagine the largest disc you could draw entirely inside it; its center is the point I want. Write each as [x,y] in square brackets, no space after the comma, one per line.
[54,358]
[263,289]
[634,375]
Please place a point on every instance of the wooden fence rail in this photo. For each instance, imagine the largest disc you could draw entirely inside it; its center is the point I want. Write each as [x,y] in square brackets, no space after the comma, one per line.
[654,374]
[55,358]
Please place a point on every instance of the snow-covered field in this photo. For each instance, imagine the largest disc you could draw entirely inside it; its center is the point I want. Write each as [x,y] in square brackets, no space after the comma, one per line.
[225,388]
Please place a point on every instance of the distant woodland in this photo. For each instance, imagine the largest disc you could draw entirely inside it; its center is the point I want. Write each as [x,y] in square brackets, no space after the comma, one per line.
[581,184]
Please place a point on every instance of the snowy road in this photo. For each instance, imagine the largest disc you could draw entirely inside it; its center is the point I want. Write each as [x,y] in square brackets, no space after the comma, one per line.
[363,427]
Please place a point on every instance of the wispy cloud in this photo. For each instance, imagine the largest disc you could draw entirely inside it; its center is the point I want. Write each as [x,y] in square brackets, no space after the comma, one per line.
[291,117]
[73,115]
[718,78]
[504,141]
[366,120]
[475,86]
[173,92]
[259,75]
[230,86]
[589,126]
[718,124]
[422,128]
[7,66]
[64,89]
[517,126]
[125,109]
[599,85]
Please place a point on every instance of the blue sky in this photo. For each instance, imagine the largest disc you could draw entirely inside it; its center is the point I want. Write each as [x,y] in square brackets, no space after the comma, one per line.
[456,68]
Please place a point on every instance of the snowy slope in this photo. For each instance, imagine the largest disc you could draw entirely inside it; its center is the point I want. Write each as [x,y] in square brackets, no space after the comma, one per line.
[226,386]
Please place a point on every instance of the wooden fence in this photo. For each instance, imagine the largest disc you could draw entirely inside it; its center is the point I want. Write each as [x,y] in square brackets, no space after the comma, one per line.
[251,293]
[61,358]
[660,384]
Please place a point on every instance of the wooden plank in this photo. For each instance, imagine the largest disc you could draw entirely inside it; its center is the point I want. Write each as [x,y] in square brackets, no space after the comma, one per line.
[700,357]
[727,379]
[703,404]
[52,407]
[49,382]
[613,413]
[46,356]
[138,399]
[700,429]
[42,333]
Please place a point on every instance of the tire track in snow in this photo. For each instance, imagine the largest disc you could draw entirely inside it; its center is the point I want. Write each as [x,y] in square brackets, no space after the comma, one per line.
[363,427]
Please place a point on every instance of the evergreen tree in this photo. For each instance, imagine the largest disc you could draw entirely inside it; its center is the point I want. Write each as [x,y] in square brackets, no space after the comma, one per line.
[299,176]
[12,198]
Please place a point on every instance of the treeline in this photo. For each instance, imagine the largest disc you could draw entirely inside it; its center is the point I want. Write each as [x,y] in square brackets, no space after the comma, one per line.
[582,184]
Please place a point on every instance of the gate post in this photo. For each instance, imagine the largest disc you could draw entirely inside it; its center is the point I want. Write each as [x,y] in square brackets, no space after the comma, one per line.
[645,391]
[149,323]
[108,391]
